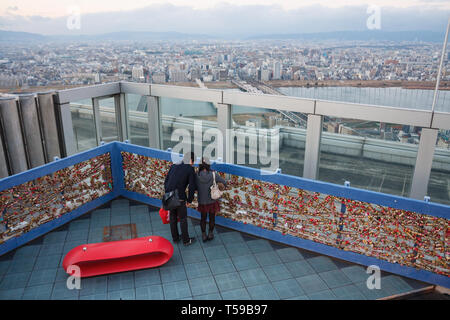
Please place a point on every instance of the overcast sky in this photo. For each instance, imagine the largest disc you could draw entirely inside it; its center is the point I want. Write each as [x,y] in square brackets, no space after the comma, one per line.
[214,17]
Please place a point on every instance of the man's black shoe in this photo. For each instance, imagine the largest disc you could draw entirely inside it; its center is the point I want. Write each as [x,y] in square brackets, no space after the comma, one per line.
[191,241]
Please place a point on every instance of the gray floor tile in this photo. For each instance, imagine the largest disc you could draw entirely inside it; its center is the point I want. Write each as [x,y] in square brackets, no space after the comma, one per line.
[350,292]
[146,231]
[191,256]
[267,258]
[371,294]
[217,241]
[322,264]
[173,273]
[229,281]
[210,296]
[119,220]
[61,275]
[355,273]
[79,225]
[263,292]
[72,244]
[201,286]
[235,294]
[125,294]
[152,292]
[277,272]
[214,253]
[47,262]
[94,286]
[312,283]
[100,296]
[261,245]
[21,265]
[176,290]
[81,235]
[245,262]
[44,276]
[55,237]
[61,292]
[120,281]
[40,292]
[4,266]
[252,277]
[175,259]
[236,249]
[197,270]
[99,224]
[221,266]
[231,237]
[299,268]
[288,288]
[322,295]
[335,278]
[289,254]
[27,251]
[11,294]
[100,213]
[147,277]
[395,285]
[299,298]
[51,249]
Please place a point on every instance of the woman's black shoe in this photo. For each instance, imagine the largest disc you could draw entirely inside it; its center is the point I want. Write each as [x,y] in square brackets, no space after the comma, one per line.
[210,235]
[204,237]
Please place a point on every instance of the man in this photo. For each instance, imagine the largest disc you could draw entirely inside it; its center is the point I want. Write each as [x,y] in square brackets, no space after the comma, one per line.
[180,176]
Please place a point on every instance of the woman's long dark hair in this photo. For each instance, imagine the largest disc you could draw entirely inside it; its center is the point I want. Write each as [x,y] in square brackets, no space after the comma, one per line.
[204,166]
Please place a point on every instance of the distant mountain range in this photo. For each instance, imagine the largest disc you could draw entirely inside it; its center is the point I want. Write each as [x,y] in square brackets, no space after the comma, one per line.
[12,36]
[376,35]
[427,36]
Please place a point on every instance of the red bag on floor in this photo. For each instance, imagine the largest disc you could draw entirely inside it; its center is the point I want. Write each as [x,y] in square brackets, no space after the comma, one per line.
[164,214]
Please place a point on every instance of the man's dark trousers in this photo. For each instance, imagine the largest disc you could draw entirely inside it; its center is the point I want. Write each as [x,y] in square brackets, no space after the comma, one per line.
[180,212]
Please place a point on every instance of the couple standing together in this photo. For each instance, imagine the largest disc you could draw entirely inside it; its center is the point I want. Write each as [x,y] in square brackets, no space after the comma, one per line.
[182,175]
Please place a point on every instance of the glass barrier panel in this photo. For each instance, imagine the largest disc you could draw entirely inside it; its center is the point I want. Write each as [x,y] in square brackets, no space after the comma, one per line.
[189,125]
[108,120]
[269,139]
[439,182]
[82,112]
[408,98]
[137,110]
[371,155]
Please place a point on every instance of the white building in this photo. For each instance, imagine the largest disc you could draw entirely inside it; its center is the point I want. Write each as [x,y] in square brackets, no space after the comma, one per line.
[159,77]
[265,75]
[276,70]
[137,73]
[178,76]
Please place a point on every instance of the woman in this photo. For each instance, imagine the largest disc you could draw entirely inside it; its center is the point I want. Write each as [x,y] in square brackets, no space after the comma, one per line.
[207,205]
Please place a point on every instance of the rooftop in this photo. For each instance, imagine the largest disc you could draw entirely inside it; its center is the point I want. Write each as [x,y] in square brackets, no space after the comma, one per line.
[233,266]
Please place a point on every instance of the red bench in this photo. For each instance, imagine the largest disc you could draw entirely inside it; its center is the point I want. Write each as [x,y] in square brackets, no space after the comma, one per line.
[119,256]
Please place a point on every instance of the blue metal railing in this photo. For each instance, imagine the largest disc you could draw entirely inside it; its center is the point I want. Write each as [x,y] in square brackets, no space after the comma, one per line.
[119,189]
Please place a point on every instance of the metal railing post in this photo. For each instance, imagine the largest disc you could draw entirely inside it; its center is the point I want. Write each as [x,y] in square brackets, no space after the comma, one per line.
[424,161]
[154,122]
[312,146]
[224,124]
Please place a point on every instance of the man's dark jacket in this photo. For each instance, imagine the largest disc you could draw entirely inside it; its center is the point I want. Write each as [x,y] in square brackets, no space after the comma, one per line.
[179,177]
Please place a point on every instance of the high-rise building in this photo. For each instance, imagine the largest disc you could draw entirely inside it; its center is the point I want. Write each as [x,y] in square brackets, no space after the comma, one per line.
[159,77]
[137,73]
[265,75]
[97,78]
[178,76]
[276,70]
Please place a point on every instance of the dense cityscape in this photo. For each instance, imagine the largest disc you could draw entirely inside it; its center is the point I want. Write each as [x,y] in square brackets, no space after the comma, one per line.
[84,63]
